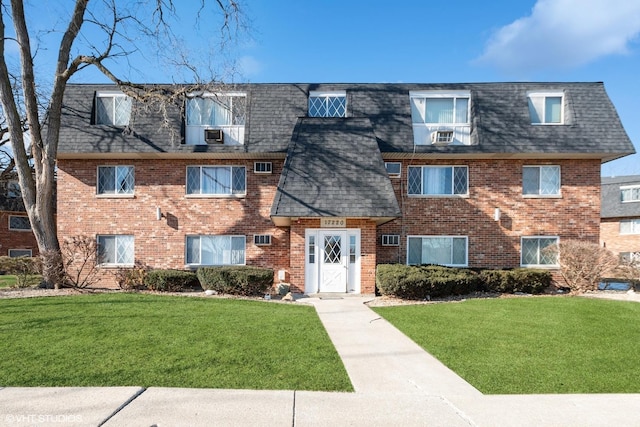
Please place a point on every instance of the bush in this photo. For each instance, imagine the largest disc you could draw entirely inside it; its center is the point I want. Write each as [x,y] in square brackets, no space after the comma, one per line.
[170,280]
[424,282]
[236,280]
[26,270]
[583,263]
[524,280]
[132,278]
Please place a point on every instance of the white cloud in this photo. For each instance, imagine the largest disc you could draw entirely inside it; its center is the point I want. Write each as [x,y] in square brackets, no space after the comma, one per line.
[564,34]
[250,66]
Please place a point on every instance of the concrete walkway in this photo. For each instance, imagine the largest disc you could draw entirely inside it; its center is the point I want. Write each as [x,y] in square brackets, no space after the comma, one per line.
[396,383]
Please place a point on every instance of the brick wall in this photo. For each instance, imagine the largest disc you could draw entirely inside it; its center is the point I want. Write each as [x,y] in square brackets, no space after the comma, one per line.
[162,183]
[11,239]
[611,238]
[498,184]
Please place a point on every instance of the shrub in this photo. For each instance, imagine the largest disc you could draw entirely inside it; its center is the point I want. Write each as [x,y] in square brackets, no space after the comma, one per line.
[527,280]
[26,270]
[583,264]
[530,281]
[170,280]
[132,278]
[423,282]
[236,280]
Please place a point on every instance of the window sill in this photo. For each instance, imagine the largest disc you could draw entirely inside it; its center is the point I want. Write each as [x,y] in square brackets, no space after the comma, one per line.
[548,124]
[439,196]
[112,266]
[543,266]
[542,196]
[115,196]
[20,230]
[215,196]
[197,266]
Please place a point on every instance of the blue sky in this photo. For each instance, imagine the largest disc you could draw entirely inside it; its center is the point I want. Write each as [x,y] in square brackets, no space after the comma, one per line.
[434,41]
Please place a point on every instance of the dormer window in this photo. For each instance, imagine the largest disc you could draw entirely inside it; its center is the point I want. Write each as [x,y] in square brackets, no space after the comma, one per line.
[440,117]
[328,104]
[216,118]
[112,108]
[630,193]
[546,108]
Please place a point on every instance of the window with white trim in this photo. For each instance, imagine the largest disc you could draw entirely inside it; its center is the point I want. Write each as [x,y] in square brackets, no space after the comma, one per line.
[390,240]
[629,257]
[112,108]
[16,253]
[441,250]
[217,110]
[630,226]
[115,249]
[115,180]
[541,180]
[546,107]
[328,104]
[539,251]
[19,223]
[312,249]
[261,239]
[262,167]
[630,193]
[215,250]
[438,180]
[393,169]
[440,108]
[216,180]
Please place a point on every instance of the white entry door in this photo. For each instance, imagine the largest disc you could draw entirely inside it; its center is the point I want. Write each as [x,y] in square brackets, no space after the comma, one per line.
[333,261]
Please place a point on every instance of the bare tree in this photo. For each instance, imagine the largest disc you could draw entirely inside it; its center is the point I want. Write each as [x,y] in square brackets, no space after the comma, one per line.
[123,26]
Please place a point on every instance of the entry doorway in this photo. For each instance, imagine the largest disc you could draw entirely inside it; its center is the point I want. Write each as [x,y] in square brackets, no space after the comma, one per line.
[332,263]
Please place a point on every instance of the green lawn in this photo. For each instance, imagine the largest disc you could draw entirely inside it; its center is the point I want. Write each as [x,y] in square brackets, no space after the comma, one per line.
[531,345]
[149,340]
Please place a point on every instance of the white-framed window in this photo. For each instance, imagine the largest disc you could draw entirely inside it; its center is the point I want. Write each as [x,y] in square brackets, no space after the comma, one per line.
[442,250]
[15,253]
[390,240]
[630,193]
[13,189]
[393,169]
[215,118]
[229,109]
[262,239]
[113,108]
[216,180]
[438,180]
[19,223]
[630,226]
[546,108]
[539,251]
[312,249]
[215,250]
[262,167]
[328,104]
[115,180]
[450,108]
[541,180]
[115,249]
[629,257]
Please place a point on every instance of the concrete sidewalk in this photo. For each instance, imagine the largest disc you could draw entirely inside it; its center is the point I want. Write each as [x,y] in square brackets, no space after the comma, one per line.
[395,381]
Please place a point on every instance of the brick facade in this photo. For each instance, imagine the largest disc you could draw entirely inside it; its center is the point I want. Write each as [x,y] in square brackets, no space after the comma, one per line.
[15,239]
[161,244]
[611,238]
[498,184]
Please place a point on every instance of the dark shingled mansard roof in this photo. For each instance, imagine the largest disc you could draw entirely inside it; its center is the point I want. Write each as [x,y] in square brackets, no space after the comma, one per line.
[500,122]
[612,206]
[334,168]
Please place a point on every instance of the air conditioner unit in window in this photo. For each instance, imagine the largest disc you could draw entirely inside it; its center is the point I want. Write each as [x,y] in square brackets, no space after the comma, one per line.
[442,137]
[213,136]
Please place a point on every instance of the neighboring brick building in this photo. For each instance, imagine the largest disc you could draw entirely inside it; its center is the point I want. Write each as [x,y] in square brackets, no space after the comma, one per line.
[322,182]
[16,237]
[620,216]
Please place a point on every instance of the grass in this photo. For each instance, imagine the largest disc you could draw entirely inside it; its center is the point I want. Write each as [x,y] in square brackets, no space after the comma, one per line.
[531,345]
[10,280]
[164,341]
